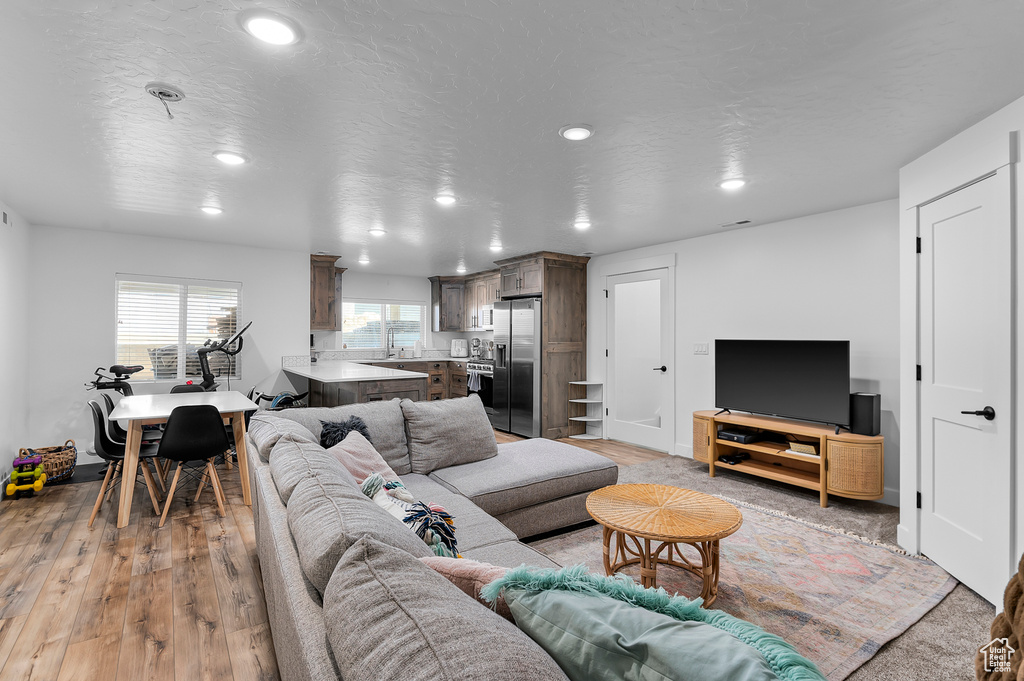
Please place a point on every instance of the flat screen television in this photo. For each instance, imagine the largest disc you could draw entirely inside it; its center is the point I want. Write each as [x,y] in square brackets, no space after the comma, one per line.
[798,379]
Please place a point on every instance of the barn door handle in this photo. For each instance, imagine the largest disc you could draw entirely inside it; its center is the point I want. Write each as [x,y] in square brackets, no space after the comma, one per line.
[662,368]
[988,412]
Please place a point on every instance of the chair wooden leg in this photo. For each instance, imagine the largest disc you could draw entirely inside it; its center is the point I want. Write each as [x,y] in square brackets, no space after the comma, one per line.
[218,491]
[170,495]
[99,497]
[160,473]
[202,482]
[113,483]
[150,485]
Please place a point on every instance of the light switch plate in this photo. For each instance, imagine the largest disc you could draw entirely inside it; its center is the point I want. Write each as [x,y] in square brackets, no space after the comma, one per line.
[700,348]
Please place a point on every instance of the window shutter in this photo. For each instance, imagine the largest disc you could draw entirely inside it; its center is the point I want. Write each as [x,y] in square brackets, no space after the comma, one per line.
[161,323]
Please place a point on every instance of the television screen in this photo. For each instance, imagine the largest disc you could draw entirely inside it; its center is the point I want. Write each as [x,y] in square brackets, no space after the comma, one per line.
[808,380]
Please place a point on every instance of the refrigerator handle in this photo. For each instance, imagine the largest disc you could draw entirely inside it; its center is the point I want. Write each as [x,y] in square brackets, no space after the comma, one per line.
[499,355]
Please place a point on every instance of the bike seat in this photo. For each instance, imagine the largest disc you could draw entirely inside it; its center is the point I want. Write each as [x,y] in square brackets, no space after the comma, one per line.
[122,370]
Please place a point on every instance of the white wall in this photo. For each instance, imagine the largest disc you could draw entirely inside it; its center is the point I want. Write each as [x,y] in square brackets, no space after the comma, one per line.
[827,276]
[71,318]
[15,280]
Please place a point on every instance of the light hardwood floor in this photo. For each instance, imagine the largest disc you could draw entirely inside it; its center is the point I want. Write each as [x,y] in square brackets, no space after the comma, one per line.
[183,602]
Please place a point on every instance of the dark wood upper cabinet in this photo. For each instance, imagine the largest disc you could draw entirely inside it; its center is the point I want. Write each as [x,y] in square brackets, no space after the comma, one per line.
[522,278]
[323,288]
[447,303]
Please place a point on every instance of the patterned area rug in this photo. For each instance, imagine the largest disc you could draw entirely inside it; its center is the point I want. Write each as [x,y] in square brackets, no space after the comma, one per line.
[836,597]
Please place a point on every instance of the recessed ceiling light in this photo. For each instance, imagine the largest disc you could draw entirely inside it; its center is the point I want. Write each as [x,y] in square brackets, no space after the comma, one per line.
[732,184]
[581,224]
[230,158]
[461,269]
[212,210]
[270,27]
[445,199]
[495,247]
[363,260]
[576,133]
[377,231]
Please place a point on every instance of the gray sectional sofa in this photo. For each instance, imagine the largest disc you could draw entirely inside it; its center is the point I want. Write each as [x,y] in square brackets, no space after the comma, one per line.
[318,536]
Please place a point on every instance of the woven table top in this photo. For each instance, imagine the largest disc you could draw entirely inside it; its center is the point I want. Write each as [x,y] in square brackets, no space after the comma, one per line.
[664,513]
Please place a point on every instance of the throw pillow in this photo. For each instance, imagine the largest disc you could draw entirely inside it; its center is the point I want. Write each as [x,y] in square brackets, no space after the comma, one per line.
[611,628]
[357,454]
[431,523]
[334,432]
[391,618]
[470,576]
[446,433]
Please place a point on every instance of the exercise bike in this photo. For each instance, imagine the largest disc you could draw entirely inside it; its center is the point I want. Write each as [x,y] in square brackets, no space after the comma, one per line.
[119,380]
[209,383]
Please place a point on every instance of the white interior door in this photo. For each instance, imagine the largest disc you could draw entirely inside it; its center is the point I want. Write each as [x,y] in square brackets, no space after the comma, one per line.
[966,365]
[641,405]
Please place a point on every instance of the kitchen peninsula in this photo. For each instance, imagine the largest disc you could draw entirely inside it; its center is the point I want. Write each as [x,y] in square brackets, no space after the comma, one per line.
[337,382]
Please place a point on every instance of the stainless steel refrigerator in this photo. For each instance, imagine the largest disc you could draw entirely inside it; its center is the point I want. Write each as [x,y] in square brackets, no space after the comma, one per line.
[517,370]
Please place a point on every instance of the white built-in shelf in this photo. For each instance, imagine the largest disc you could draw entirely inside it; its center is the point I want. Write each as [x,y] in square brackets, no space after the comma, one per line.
[586,410]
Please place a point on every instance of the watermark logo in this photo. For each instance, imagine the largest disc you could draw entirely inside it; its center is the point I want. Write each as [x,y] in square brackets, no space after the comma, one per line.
[997,654]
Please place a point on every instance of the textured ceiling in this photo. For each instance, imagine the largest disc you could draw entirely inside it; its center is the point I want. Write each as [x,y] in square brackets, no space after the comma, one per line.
[386,103]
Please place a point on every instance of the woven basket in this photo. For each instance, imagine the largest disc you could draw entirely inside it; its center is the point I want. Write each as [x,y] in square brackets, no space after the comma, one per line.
[58,462]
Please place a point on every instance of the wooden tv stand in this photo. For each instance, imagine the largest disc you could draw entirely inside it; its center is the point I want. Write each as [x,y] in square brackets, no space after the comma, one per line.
[847,465]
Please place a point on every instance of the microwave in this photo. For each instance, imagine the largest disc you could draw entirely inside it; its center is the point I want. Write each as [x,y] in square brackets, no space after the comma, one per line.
[487,317]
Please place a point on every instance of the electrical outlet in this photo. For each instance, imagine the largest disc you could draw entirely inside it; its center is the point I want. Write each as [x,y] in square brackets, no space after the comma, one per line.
[700,348]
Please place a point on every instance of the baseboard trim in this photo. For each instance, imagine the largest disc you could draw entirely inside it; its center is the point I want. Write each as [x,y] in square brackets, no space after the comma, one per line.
[682,450]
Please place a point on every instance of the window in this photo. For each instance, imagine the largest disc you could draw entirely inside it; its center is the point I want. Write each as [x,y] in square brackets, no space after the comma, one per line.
[364,324]
[162,322]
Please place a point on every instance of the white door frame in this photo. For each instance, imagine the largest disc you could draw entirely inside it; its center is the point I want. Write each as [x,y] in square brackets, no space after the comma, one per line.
[975,153]
[600,324]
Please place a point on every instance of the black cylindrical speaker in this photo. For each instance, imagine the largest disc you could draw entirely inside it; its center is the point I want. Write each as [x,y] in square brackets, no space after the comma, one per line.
[865,413]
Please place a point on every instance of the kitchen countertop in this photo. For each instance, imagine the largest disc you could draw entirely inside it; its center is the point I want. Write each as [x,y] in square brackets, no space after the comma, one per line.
[396,360]
[341,371]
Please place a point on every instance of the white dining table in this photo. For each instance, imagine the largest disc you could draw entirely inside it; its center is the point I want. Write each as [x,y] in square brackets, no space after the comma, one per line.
[143,410]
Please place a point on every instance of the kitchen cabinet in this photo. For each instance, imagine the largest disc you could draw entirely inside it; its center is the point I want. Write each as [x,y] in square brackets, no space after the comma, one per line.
[447,303]
[522,277]
[481,290]
[324,282]
[458,379]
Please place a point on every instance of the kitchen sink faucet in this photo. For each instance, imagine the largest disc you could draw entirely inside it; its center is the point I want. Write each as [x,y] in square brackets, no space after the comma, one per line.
[389,342]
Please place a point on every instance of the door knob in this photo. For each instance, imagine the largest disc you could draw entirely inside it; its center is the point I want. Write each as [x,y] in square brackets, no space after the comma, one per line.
[662,368]
[988,412]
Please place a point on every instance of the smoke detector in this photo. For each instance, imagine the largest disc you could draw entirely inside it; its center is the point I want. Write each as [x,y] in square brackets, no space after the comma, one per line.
[165,93]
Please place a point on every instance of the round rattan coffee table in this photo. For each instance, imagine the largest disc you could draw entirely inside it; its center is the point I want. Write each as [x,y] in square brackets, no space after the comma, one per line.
[634,516]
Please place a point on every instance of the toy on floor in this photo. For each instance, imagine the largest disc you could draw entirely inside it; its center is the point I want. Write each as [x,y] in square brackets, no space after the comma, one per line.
[27,477]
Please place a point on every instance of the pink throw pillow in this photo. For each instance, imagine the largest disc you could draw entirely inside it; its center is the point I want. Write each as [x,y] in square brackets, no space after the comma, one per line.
[470,576]
[360,458]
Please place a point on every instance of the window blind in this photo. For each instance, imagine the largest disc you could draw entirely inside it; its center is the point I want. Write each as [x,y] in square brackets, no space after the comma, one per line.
[162,322]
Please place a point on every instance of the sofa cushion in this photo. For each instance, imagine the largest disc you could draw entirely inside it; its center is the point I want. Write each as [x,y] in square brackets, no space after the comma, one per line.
[294,459]
[359,457]
[266,429]
[389,617]
[527,473]
[511,554]
[384,420]
[445,433]
[473,527]
[326,517]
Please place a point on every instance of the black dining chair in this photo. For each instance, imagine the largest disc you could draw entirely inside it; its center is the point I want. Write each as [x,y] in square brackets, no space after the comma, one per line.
[194,437]
[187,388]
[112,452]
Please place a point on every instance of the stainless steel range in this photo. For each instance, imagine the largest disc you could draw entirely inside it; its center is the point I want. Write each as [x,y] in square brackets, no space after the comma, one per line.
[481,381]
